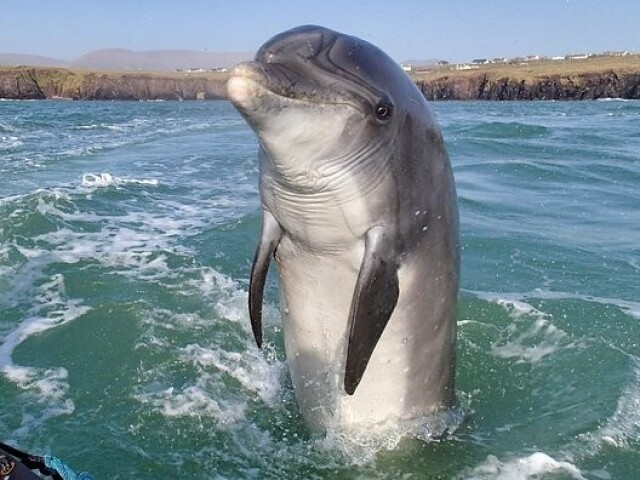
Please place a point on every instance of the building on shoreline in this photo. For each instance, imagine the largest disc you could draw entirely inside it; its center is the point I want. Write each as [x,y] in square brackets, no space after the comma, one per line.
[202,70]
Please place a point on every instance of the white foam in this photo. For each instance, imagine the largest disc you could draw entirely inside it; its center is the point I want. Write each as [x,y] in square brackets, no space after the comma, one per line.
[194,401]
[105,179]
[51,309]
[48,385]
[97,180]
[531,337]
[11,199]
[259,374]
[5,127]
[629,307]
[622,429]
[361,444]
[624,100]
[250,368]
[229,300]
[208,396]
[51,383]
[129,125]
[531,467]
[135,243]
[8,142]
[134,253]
[33,422]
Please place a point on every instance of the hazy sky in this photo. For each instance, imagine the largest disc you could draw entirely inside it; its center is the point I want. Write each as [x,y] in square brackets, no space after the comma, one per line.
[456,30]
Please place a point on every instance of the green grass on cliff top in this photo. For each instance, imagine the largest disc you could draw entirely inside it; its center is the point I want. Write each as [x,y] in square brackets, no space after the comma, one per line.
[540,69]
[61,71]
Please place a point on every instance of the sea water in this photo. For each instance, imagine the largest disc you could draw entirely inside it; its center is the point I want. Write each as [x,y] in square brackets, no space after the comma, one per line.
[126,235]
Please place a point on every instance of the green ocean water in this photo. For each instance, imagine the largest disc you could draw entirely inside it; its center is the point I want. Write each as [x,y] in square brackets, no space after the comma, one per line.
[126,234]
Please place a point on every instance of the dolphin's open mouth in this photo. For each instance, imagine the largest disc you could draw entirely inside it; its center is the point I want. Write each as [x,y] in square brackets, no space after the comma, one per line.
[247,78]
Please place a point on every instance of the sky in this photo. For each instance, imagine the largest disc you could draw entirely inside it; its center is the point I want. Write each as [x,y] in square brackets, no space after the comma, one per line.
[453,30]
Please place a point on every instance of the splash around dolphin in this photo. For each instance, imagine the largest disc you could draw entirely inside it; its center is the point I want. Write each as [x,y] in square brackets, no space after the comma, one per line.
[359,211]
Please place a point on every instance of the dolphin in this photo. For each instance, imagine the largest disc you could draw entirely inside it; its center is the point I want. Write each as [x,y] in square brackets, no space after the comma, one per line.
[359,211]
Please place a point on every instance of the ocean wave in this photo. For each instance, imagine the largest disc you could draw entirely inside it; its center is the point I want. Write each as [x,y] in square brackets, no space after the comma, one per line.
[258,373]
[222,375]
[531,467]
[128,125]
[136,244]
[622,100]
[140,238]
[144,128]
[50,309]
[628,307]
[531,337]
[196,401]
[212,368]
[507,130]
[8,142]
[622,429]
[105,179]
[536,335]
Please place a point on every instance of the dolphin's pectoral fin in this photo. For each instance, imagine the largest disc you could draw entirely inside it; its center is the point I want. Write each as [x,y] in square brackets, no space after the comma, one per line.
[374,299]
[269,239]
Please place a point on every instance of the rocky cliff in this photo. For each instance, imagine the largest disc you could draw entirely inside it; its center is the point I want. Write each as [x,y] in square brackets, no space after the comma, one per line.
[48,83]
[586,86]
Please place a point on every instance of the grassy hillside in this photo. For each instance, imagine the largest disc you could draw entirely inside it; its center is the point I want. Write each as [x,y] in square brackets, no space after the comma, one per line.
[41,83]
[543,68]
[588,79]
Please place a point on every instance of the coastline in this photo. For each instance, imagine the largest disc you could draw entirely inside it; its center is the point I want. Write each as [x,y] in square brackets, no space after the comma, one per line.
[44,83]
[591,79]
[588,79]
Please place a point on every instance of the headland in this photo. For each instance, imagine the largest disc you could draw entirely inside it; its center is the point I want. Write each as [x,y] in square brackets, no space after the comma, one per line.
[570,79]
[42,83]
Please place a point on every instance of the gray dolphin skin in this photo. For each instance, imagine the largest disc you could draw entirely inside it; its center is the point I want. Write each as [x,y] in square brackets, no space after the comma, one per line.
[359,211]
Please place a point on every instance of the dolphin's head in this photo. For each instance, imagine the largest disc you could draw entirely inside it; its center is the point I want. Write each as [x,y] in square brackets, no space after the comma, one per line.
[314,92]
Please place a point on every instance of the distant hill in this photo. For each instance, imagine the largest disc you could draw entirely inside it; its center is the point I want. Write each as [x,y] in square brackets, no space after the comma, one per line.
[158,60]
[16,59]
[127,60]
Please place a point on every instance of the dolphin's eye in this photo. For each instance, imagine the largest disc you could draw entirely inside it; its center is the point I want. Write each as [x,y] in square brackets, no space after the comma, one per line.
[383,112]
